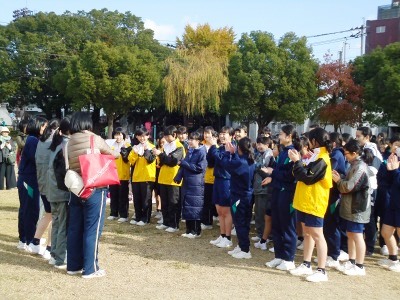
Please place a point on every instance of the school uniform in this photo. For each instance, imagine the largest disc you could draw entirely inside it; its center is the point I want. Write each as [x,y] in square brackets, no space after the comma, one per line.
[28,192]
[242,174]
[282,212]
[392,215]
[169,190]
[209,207]
[221,188]
[191,172]
[332,231]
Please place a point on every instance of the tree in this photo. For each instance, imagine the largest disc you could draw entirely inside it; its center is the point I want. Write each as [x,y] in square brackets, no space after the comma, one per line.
[379,74]
[113,78]
[271,81]
[197,72]
[340,98]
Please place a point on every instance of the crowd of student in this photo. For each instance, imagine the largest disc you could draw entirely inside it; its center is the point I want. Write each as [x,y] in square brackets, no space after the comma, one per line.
[315,190]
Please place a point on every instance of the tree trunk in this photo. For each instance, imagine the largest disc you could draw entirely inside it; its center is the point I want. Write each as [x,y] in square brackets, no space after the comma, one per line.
[110,120]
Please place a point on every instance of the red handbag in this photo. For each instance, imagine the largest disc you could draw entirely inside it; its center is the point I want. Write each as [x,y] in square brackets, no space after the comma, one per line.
[98,170]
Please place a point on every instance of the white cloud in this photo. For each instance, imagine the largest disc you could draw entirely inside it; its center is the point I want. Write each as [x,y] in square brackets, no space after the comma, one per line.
[161,32]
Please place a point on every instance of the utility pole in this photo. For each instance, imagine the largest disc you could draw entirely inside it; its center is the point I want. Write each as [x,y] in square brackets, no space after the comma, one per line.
[340,56]
[362,37]
[344,50]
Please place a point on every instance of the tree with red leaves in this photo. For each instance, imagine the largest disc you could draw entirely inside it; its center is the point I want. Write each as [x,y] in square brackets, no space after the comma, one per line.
[340,98]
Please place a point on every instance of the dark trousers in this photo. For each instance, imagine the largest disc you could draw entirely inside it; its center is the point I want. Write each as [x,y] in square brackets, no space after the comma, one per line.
[260,206]
[370,231]
[241,216]
[8,172]
[86,221]
[332,230]
[207,218]
[142,193]
[28,213]
[170,205]
[193,226]
[119,202]
[283,224]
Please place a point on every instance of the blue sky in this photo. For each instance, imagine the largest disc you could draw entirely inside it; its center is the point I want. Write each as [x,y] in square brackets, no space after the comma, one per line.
[168,18]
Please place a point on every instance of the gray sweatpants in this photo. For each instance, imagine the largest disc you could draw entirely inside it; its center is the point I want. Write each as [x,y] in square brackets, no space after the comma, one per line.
[260,205]
[59,212]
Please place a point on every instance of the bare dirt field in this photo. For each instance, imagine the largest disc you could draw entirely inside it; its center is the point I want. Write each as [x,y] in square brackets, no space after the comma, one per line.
[145,263]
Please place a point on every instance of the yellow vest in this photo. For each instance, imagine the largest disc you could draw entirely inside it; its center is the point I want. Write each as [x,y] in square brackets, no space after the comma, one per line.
[143,171]
[313,199]
[167,174]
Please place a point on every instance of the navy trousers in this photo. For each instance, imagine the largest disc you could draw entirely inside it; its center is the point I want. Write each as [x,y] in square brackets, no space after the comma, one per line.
[86,221]
[241,210]
[332,230]
[28,213]
[283,224]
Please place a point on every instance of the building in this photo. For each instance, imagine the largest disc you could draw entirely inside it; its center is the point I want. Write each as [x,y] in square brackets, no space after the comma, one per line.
[386,29]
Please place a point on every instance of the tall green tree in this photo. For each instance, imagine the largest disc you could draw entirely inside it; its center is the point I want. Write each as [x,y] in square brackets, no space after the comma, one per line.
[379,74]
[197,72]
[270,80]
[113,78]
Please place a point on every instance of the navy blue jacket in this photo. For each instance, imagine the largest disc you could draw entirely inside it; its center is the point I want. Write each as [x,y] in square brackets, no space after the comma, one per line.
[191,171]
[394,202]
[338,163]
[242,173]
[282,176]
[214,157]
[27,165]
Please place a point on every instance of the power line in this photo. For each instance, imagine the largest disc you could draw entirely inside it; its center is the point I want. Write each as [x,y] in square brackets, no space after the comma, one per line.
[331,33]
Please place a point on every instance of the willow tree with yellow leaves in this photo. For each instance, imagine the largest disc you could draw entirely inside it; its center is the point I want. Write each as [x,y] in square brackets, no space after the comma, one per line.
[197,73]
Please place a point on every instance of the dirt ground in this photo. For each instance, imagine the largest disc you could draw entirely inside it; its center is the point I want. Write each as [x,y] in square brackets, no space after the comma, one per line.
[145,263]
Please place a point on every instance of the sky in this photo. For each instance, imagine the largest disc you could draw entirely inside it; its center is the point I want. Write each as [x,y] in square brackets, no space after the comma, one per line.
[168,18]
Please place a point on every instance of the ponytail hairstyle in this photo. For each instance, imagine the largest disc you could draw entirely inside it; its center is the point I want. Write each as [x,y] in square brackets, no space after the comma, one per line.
[51,126]
[367,156]
[321,136]
[245,147]
[289,129]
[353,146]
[336,138]
[63,129]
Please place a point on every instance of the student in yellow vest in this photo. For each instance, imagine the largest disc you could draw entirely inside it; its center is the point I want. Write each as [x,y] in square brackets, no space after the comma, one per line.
[170,158]
[314,181]
[143,160]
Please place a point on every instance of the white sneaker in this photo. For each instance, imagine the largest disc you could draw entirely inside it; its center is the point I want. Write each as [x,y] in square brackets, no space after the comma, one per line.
[206,227]
[46,255]
[346,266]
[331,263]
[256,238]
[343,256]
[61,267]
[160,221]
[224,243]
[22,246]
[318,276]
[215,218]
[241,255]
[141,223]
[112,218]
[161,227]
[286,266]
[272,250]
[190,235]
[298,243]
[300,246]
[395,266]
[52,261]
[133,222]
[98,273]
[235,250]
[216,241]
[385,250]
[74,272]
[171,229]
[233,232]
[354,271]
[122,220]
[36,249]
[301,270]
[262,246]
[252,222]
[42,241]
[158,215]
[273,263]
[386,263]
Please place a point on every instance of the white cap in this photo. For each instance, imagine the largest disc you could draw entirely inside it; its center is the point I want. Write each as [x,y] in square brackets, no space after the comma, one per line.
[4,128]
